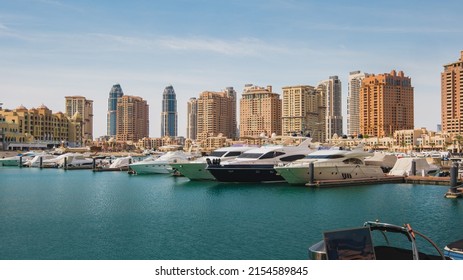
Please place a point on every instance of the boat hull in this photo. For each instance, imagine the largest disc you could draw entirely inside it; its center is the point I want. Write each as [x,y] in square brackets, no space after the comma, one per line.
[454,250]
[194,170]
[9,162]
[299,175]
[244,173]
[452,254]
[150,168]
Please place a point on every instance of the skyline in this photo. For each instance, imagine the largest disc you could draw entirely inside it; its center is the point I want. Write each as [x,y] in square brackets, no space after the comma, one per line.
[52,49]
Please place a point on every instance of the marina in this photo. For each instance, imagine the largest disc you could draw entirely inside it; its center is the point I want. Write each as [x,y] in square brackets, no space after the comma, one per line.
[57,214]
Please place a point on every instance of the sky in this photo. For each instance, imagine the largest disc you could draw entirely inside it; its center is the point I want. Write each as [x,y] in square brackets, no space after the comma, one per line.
[50,49]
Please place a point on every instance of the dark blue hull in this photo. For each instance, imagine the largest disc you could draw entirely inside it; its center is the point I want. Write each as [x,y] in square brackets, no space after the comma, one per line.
[244,173]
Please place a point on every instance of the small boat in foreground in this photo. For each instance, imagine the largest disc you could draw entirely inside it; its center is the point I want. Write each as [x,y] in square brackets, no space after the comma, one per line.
[454,250]
[358,244]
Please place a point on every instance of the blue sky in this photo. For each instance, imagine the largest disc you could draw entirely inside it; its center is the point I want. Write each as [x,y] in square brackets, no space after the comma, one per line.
[53,48]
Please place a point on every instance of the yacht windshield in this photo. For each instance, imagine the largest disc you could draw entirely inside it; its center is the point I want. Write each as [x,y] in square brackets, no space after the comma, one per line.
[217,153]
[272,155]
[310,156]
[233,154]
[250,155]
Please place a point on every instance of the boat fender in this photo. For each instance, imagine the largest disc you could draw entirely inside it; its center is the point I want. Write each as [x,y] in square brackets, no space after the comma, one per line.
[208,161]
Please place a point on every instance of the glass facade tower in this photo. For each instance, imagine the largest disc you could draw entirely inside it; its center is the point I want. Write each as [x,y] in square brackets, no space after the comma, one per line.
[169,113]
[115,93]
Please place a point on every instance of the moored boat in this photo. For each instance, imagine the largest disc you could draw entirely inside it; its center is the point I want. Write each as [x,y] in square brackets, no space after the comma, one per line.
[333,164]
[16,160]
[119,164]
[69,161]
[196,169]
[404,167]
[160,165]
[35,161]
[257,165]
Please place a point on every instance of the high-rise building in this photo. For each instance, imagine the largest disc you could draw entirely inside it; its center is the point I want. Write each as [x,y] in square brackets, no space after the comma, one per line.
[85,108]
[353,102]
[115,93]
[169,113]
[452,97]
[132,118]
[386,104]
[192,111]
[303,112]
[216,114]
[260,111]
[331,92]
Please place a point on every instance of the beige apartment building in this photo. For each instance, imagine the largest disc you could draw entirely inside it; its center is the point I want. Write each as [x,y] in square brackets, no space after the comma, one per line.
[386,104]
[452,97]
[39,127]
[260,112]
[85,108]
[303,112]
[132,121]
[192,118]
[353,102]
[331,92]
[216,114]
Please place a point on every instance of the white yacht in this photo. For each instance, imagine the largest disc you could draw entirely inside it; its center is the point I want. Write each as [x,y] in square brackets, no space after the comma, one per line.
[333,164]
[73,160]
[14,160]
[116,164]
[196,170]
[35,161]
[160,165]
[403,167]
[257,165]
[10,161]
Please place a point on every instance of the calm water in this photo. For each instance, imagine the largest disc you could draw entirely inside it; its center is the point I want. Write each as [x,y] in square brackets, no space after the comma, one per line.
[56,214]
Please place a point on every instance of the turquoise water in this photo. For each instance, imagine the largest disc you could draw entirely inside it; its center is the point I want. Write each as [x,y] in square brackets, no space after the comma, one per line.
[56,214]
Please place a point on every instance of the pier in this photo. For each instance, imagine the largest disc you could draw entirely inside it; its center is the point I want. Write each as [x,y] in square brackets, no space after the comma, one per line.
[428,180]
[356,182]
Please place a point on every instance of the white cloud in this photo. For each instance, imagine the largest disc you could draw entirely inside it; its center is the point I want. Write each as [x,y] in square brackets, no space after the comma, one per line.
[242,46]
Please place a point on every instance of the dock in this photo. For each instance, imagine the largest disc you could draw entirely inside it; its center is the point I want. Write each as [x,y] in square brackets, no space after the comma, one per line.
[356,182]
[428,180]
[84,167]
[111,169]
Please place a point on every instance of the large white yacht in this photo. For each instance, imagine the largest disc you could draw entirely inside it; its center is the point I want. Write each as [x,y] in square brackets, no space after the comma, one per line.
[333,164]
[160,165]
[256,165]
[196,170]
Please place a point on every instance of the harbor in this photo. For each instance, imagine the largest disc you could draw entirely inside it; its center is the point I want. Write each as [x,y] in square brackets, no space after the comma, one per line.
[57,214]
[145,208]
